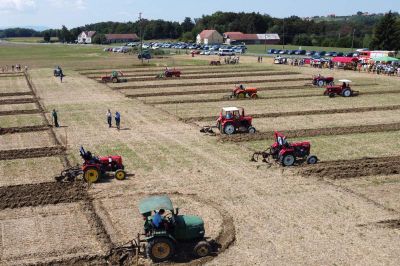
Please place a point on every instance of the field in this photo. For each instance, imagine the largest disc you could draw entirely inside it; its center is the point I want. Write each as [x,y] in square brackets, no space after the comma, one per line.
[343,210]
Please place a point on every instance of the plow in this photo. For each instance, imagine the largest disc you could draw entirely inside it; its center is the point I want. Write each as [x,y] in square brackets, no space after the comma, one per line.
[285,153]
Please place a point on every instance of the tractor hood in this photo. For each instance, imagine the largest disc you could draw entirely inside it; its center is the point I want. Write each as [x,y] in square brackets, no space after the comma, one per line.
[150,204]
[188,227]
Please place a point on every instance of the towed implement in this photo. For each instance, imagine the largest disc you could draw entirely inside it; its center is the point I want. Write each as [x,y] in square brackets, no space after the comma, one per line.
[285,153]
[93,168]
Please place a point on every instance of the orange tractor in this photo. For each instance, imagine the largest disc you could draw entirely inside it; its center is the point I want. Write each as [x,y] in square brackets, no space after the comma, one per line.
[241,92]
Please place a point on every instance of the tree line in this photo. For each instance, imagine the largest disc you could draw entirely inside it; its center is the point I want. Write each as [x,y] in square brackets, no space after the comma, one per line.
[371,31]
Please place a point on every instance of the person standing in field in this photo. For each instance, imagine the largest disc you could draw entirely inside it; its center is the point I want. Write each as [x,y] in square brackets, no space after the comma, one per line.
[55,118]
[117,119]
[109,118]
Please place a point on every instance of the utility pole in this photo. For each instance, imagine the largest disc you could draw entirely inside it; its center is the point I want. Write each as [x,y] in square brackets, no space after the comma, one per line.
[141,36]
[352,41]
[283,34]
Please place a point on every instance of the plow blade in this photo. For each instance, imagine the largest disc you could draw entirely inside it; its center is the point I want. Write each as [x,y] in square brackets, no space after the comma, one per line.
[208,129]
[69,174]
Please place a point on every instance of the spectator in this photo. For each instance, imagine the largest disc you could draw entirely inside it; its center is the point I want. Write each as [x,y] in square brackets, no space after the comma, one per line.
[117,120]
[55,118]
[109,118]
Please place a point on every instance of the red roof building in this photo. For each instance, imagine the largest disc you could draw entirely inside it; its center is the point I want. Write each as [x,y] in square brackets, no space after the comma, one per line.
[112,38]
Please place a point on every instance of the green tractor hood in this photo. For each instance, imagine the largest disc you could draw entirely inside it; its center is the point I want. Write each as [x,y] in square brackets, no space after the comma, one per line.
[188,227]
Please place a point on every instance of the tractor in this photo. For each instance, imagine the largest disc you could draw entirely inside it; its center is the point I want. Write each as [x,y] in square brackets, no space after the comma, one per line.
[285,153]
[232,120]
[169,73]
[321,81]
[175,232]
[115,77]
[93,167]
[241,92]
[215,63]
[342,90]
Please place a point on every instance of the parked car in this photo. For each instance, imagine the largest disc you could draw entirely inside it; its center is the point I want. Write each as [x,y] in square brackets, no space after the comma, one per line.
[224,52]
[283,52]
[300,52]
[339,54]
[310,53]
[277,51]
[291,52]
[271,51]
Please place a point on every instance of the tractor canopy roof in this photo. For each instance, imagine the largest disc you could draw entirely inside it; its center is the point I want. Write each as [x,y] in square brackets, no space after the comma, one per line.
[155,203]
[345,80]
[230,109]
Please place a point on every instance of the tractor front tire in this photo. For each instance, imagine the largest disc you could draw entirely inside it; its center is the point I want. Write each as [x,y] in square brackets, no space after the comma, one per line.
[160,249]
[254,96]
[346,93]
[114,80]
[288,160]
[202,249]
[91,174]
[252,130]
[312,159]
[120,174]
[331,95]
[229,129]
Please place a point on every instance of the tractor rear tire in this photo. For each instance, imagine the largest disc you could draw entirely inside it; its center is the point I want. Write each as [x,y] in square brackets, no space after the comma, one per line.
[254,96]
[288,160]
[252,130]
[160,249]
[202,249]
[120,174]
[91,174]
[229,129]
[114,80]
[312,159]
[321,83]
[346,93]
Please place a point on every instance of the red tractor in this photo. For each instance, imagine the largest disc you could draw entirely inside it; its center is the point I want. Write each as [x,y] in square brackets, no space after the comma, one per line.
[241,92]
[322,81]
[342,90]
[169,73]
[93,167]
[232,120]
[285,153]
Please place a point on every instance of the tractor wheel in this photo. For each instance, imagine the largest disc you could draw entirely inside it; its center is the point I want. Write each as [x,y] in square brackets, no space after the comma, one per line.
[160,249]
[346,93]
[252,130]
[202,249]
[91,174]
[331,95]
[321,83]
[312,159]
[254,96]
[114,80]
[120,174]
[241,95]
[229,129]
[288,160]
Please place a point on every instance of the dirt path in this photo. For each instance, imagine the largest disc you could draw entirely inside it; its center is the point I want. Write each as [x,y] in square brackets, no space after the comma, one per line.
[278,216]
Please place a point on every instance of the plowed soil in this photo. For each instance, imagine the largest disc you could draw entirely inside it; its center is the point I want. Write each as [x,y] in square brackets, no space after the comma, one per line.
[12,130]
[18,101]
[354,168]
[314,132]
[19,112]
[41,194]
[5,94]
[203,83]
[297,113]
[31,153]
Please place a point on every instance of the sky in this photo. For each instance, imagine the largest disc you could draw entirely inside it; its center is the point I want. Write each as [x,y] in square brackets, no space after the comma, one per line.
[73,13]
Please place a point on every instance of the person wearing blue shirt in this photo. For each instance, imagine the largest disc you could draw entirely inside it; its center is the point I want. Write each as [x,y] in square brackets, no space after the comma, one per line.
[117,119]
[157,218]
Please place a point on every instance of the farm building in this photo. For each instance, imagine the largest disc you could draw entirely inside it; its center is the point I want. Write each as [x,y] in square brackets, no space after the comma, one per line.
[113,38]
[86,36]
[239,37]
[209,37]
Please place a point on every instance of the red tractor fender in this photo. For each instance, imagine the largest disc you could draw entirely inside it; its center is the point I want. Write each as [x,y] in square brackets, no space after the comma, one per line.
[251,90]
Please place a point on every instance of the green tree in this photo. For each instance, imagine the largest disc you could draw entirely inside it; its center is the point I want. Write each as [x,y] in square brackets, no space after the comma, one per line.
[65,35]
[187,37]
[99,39]
[387,33]
[187,25]
[46,36]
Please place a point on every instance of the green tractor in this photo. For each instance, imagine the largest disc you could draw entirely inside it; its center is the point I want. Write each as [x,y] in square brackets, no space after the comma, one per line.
[115,77]
[175,232]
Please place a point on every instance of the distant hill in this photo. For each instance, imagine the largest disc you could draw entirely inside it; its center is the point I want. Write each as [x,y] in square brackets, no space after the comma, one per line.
[36,28]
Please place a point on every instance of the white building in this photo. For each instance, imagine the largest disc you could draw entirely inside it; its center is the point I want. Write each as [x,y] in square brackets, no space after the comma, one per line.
[86,36]
[209,37]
